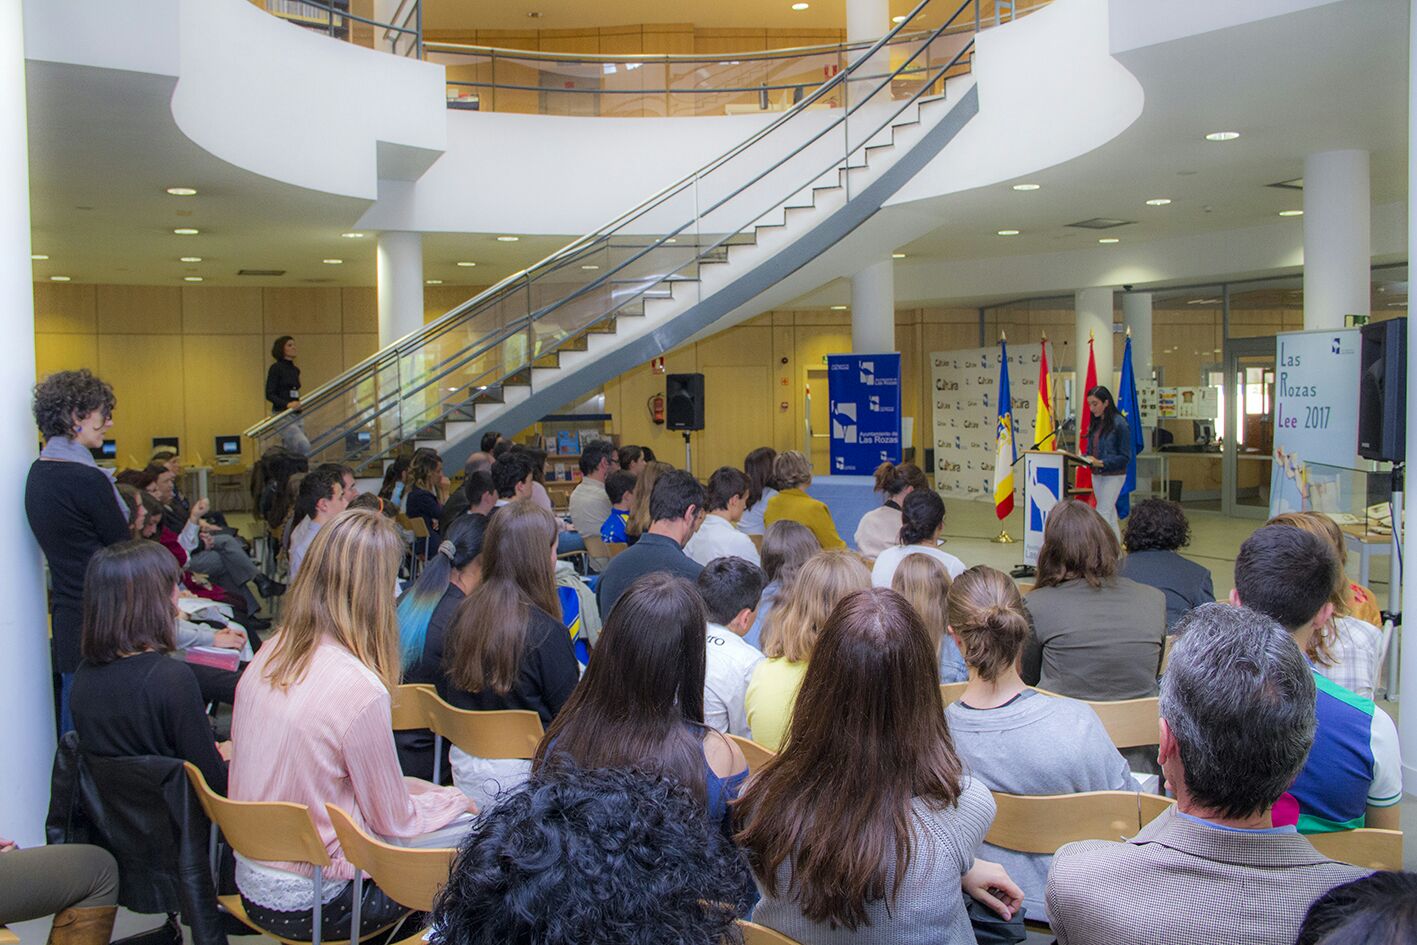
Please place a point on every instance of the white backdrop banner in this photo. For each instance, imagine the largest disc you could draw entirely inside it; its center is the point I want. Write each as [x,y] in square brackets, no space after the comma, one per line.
[966,411]
[1315,417]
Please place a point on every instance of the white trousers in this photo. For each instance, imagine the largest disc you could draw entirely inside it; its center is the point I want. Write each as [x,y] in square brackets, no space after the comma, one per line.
[1108,489]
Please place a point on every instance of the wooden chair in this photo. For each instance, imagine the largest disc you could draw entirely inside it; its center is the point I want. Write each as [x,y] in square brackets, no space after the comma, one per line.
[267,830]
[1044,823]
[410,877]
[1166,654]
[758,544]
[505,733]
[409,711]
[1152,806]
[755,934]
[1131,723]
[7,937]
[1367,847]
[755,754]
[613,548]
[951,691]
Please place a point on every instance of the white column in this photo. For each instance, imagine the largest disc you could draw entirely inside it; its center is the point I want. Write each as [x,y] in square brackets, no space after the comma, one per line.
[867,21]
[1337,211]
[1136,314]
[400,280]
[873,308]
[1094,319]
[1407,705]
[26,693]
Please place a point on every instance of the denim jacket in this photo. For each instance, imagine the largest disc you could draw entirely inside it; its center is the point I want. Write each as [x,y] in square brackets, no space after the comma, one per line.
[1113,448]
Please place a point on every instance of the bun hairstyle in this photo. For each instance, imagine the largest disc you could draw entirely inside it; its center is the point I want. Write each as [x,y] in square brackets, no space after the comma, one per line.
[921,515]
[986,611]
[892,480]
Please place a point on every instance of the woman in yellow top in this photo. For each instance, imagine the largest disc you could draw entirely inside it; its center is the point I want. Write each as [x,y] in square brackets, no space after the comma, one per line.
[793,473]
[793,626]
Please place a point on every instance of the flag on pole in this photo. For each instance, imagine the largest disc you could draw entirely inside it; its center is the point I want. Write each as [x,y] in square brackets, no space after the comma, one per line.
[1084,476]
[1043,422]
[1130,407]
[1004,454]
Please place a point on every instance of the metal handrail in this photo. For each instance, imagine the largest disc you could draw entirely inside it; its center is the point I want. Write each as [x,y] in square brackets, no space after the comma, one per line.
[416,31]
[738,58]
[451,319]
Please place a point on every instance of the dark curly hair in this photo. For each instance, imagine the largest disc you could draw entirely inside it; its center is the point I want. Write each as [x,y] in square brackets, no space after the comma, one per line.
[607,856]
[1157,525]
[1380,907]
[64,397]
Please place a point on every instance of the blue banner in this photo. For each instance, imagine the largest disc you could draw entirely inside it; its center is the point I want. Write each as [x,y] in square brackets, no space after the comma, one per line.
[863,391]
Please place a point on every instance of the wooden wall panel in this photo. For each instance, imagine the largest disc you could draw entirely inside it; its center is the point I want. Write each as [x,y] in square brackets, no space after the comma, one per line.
[146,373]
[140,309]
[729,40]
[222,310]
[669,38]
[621,40]
[223,389]
[302,310]
[64,307]
[360,308]
[64,352]
[358,346]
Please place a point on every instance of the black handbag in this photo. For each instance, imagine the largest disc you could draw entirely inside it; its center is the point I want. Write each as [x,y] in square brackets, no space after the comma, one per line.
[990,928]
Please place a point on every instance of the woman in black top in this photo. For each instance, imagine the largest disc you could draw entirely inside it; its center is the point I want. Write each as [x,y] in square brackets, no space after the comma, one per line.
[130,697]
[423,494]
[283,393]
[73,506]
[1109,450]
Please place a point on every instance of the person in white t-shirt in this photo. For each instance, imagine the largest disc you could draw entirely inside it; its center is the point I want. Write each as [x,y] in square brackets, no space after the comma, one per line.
[730,588]
[922,518]
[718,536]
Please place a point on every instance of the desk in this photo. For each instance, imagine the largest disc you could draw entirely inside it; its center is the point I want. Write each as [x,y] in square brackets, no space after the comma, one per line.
[1367,543]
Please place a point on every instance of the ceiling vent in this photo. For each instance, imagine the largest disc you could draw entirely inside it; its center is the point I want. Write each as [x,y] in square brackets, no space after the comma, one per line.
[1101,223]
[260,272]
[1295,184]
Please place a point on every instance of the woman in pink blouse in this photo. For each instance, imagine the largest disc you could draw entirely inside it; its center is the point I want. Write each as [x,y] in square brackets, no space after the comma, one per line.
[312,725]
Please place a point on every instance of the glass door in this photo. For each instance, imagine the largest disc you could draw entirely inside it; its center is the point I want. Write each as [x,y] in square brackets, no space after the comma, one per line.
[1248,409]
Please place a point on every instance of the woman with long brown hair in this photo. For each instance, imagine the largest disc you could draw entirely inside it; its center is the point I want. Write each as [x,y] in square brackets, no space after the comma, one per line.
[865,822]
[792,630]
[313,725]
[506,646]
[757,466]
[638,521]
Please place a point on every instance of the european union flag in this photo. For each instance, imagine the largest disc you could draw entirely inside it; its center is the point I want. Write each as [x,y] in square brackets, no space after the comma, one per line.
[1130,408]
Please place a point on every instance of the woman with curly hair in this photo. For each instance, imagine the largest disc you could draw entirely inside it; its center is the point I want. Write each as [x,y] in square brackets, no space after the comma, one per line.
[1155,531]
[73,506]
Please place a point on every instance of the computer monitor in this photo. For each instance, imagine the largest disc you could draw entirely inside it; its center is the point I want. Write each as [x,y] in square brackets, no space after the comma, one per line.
[165,443]
[228,446]
[109,451]
[1204,431]
[357,441]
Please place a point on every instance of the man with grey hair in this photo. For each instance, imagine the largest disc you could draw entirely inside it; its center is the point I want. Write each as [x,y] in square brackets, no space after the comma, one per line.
[1237,720]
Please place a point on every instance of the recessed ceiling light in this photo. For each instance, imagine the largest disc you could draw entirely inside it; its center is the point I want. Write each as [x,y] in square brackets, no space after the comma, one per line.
[189,258]
[186,231]
[1109,240]
[467,265]
[1222,136]
[1291,213]
[1158,202]
[838,308]
[1026,186]
[589,266]
[353,236]
[897,255]
[671,240]
[897,19]
[182,191]
[432,281]
[508,239]
[38,256]
[332,262]
[1008,232]
[191,278]
[800,6]
[58,278]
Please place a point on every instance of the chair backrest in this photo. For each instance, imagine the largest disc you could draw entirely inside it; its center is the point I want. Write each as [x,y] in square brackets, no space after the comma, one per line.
[755,754]
[613,548]
[262,830]
[1152,806]
[1131,723]
[505,733]
[1369,847]
[595,546]
[951,691]
[7,937]
[757,541]
[409,710]
[1043,824]
[754,934]
[410,877]
[418,526]
[1166,654]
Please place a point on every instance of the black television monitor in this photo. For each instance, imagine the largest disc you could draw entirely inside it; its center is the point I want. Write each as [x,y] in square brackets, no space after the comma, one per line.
[109,450]
[228,446]
[357,441]
[165,443]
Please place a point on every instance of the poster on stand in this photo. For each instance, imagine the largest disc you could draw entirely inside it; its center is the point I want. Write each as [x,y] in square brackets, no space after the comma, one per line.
[863,393]
[965,409]
[1315,419]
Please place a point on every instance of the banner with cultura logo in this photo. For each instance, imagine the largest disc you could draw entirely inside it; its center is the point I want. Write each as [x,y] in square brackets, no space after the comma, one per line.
[1315,420]
[965,407]
[863,391]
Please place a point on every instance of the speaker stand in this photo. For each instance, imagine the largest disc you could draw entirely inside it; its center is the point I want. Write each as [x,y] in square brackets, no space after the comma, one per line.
[1394,592]
[688,454]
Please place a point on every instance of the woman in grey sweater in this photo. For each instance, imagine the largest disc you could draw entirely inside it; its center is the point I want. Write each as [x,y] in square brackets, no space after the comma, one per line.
[1012,738]
[864,826]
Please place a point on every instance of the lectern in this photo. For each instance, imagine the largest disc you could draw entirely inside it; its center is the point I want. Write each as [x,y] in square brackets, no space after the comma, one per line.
[1046,477]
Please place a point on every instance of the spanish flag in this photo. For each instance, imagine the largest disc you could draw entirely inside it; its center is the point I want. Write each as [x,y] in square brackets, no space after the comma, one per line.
[1004,454]
[1043,423]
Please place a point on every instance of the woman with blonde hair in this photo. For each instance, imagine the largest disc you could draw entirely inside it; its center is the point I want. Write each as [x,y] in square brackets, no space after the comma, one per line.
[792,472]
[791,634]
[638,521]
[925,582]
[1013,738]
[313,725]
[786,547]
[506,647]
[1346,650]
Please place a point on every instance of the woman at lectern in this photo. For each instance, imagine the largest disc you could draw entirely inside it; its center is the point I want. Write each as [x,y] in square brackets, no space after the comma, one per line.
[1109,450]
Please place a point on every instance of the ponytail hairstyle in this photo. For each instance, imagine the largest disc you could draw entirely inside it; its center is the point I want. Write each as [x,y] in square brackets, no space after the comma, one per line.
[921,515]
[925,582]
[459,550]
[892,480]
[986,611]
[1109,412]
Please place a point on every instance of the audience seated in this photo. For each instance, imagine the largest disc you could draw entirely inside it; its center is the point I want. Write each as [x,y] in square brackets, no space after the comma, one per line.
[926,582]
[580,613]
[1345,649]
[74,882]
[1353,776]
[395,481]
[620,489]
[730,588]
[197,584]
[786,547]
[862,826]
[757,466]
[539,495]
[506,647]
[634,863]
[792,630]
[1155,532]
[425,494]
[1095,635]
[639,520]
[675,510]
[321,498]
[922,518]
[1237,719]
[718,536]
[590,502]
[1379,909]
[631,459]
[641,704]
[461,500]
[879,528]
[792,472]
[313,726]
[512,475]
[1016,740]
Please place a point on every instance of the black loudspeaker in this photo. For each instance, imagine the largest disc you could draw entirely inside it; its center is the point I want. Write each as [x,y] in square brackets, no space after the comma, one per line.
[684,394]
[1382,391]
